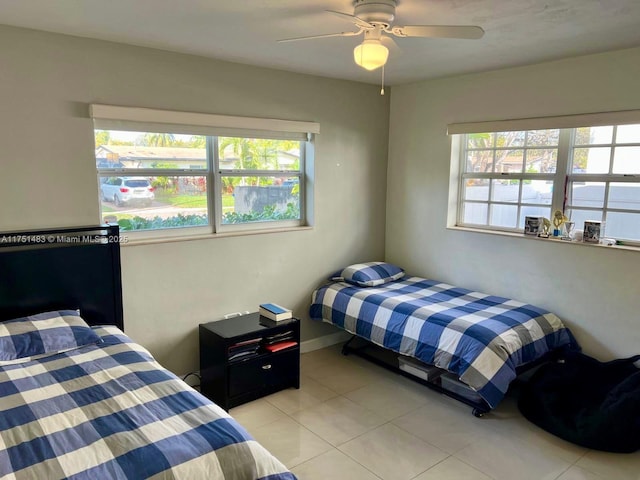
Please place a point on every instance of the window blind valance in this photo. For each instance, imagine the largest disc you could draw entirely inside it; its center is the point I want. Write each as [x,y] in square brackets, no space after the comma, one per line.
[111,117]
[624,117]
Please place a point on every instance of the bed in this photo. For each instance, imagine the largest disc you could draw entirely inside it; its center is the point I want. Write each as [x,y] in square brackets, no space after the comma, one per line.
[484,340]
[78,398]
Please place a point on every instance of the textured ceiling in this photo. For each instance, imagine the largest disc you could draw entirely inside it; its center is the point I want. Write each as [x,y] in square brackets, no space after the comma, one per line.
[518,32]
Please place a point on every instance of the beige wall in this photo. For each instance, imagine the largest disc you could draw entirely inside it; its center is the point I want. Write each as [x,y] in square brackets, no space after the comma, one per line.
[596,290]
[47,176]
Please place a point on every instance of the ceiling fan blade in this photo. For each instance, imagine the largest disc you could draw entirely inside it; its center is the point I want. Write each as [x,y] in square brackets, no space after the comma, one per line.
[391,44]
[439,31]
[352,18]
[326,35]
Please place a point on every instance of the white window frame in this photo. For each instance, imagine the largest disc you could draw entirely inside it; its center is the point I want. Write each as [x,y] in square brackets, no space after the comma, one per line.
[563,178]
[219,174]
[606,178]
[557,178]
[109,117]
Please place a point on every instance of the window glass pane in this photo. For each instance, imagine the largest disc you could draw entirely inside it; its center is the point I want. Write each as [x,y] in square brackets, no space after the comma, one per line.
[537,191]
[505,190]
[628,134]
[480,140]
[541,160]
[624,196]
[509,161]
[479,161]
[142,203]
[591,160]
[260,199]
[527,211]
[587,194]
[510,139]
[258,154]
[507,157]
[121,149]
[504,216]
[623,225]
[543,138]
[593,135]
[579,216]
[475,213]
[626,160]
[476,189]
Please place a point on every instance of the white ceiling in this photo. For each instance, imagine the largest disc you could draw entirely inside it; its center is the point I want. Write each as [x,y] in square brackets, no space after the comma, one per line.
[518,32]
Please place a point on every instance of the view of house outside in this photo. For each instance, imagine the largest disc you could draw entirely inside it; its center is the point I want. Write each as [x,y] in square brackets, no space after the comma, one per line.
[170,179]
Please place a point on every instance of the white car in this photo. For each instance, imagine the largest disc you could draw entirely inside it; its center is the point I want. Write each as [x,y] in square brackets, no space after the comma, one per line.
[127,190]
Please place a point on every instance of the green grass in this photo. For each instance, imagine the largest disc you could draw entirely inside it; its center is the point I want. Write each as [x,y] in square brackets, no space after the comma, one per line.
[193,201]
[184,201]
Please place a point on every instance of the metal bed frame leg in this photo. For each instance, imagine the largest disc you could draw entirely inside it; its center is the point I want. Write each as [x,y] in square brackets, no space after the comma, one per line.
[345,348]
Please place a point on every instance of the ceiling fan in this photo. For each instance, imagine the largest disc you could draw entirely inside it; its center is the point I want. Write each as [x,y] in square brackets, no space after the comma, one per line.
[374,19]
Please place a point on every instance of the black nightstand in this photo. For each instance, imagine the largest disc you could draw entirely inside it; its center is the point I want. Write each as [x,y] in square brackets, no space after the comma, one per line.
[236,364]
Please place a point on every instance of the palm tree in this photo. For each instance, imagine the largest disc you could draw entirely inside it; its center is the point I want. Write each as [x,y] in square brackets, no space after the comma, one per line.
[102,137]
[197,141]
[158,139]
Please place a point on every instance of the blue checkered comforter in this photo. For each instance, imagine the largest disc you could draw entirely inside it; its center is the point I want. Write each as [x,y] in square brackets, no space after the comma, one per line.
[109,411]
[479,337]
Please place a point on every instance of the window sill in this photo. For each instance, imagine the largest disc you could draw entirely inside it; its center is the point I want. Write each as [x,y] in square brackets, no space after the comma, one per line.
[556,240]
[132,242]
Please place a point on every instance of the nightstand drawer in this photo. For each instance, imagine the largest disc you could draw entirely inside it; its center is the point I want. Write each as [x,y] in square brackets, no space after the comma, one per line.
[264,372]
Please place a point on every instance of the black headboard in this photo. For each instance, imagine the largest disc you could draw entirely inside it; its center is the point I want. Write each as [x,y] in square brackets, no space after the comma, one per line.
[66,268]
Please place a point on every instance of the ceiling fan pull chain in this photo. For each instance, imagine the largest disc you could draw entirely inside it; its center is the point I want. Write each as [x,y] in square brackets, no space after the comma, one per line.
[382,89]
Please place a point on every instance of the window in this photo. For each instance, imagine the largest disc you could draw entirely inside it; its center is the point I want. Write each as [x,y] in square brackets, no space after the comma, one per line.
[604,179]
[507,176]
[151,181]
[589,173]
[183,183]
[260,178]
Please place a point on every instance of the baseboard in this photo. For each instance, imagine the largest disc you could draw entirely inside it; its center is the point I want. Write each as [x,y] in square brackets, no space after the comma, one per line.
[324,341]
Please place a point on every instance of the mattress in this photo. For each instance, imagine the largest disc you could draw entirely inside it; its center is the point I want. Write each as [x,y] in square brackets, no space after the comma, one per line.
[480,338]
[109,410]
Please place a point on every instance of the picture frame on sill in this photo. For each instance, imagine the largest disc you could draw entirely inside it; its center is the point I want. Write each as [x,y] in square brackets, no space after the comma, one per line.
[533,225]
[593,231]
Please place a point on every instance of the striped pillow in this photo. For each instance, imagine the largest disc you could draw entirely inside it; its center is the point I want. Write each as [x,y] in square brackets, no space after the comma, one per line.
[48,332]
[370,274]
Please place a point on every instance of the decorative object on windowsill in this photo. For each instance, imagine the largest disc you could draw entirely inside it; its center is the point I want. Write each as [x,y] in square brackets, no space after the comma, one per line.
[546,226]
[593,230]
[568,231]
[559,219]
[533,225]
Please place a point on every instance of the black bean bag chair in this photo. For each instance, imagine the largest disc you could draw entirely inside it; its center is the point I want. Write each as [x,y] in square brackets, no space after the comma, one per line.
[586,402]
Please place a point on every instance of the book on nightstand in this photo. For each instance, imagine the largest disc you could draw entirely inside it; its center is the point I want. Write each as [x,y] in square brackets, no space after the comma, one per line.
[274,312]
[276,347]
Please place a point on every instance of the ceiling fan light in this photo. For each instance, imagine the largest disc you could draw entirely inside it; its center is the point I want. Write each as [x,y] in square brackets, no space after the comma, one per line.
[371,54]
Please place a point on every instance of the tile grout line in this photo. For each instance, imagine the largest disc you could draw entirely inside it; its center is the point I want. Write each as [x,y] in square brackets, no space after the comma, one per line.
[333,447]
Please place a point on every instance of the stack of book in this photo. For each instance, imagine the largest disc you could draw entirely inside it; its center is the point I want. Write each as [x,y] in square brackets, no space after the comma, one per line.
[246,349]
[279,341]
[275,312]
[276,347]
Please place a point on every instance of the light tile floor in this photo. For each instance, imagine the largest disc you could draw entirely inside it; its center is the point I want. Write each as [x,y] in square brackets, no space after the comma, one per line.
[354,420]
